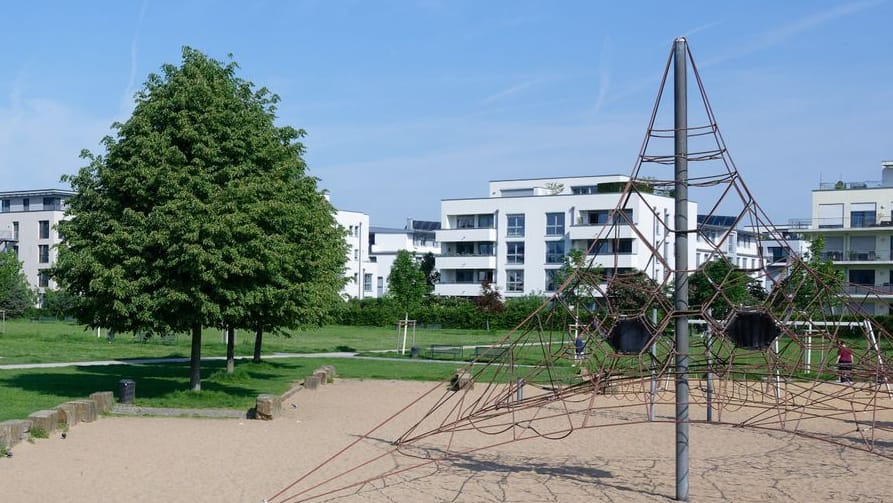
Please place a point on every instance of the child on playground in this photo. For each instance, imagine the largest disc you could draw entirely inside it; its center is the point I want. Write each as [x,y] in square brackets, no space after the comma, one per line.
[579,345]
[845,363]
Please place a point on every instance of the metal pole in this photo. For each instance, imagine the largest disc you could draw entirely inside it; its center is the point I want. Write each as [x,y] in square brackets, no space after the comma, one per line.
[681,176]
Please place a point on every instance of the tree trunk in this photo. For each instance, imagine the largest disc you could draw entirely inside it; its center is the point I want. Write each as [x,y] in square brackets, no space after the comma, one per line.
[258,340]
[195,359]
[230,349]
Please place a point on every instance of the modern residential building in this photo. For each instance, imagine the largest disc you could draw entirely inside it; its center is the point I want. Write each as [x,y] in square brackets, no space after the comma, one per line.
[856,221]
[778,245]
[720,235]
[518,236]
[360,268]
[417,237]
[28,221]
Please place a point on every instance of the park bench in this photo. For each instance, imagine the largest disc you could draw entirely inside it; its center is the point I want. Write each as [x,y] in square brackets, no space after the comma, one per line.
[490,353]
[439,349]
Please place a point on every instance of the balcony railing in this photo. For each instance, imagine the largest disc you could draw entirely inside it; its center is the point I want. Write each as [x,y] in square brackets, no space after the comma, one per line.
[857,255]
[853,289]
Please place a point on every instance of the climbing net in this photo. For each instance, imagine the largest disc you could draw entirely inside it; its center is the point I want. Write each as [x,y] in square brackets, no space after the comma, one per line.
[762,358]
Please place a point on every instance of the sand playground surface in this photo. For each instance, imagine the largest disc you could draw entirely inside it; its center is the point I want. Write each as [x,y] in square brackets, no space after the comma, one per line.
[147,459]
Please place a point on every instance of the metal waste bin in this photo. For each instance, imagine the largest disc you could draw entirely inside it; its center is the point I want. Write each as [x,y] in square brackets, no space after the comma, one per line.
[414,352]
[126,390]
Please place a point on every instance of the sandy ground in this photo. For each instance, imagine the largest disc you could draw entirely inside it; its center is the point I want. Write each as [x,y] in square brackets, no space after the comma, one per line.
[118,459]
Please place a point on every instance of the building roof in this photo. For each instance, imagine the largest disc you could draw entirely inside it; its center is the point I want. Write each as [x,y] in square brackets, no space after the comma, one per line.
[36,193]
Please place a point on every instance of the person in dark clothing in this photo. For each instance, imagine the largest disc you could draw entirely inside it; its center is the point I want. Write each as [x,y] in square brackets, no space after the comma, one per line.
[845,363]
[579,346]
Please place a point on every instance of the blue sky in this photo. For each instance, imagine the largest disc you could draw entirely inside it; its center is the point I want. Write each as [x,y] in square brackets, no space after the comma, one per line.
[410,102]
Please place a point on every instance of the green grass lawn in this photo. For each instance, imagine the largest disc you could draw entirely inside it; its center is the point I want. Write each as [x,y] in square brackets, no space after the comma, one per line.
[166,385]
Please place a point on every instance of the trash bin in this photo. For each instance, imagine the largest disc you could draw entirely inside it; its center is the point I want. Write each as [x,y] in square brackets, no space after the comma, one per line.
[414,352]
[126,390]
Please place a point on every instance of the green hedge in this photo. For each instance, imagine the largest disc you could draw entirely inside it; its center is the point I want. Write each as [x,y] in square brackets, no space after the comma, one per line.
[446,312]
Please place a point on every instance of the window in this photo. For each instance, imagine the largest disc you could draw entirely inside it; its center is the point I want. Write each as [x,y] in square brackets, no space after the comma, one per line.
[551,274]
[44,229]
[465,222]
[367,282]
[464,248]
[514,281]
[51,203]
[584,189]
[615,246]
[514,252]
[486,249]
[4,206]
[485,221]
[15,231]
[26,204]
[863,214]
[554,224]
[44,252]
[554,252]
[43,279]
[514,226]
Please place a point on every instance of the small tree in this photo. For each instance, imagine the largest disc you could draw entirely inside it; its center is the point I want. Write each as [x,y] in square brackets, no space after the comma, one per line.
[16,295]
[812,284]
[489,301]
[432,277]
[407,285]
[720,286]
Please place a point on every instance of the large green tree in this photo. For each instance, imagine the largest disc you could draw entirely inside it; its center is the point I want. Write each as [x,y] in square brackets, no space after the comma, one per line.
[16,295]
[200,214]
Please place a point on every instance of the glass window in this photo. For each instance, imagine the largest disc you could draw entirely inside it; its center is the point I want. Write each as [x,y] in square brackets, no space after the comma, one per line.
[464,248]
[554,252]
[554,224]
[51,203]
[26,204]
[551,274]
[514,225]
[44,252]
[514,281]
[44,229]
[43,279]
[465,222]
[367,282]
[486,249]
[5,206]
[584,189]
[485,221]
[514,252]
[15,231]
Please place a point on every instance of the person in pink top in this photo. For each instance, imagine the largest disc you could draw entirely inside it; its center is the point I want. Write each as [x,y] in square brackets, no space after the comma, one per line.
[845,363]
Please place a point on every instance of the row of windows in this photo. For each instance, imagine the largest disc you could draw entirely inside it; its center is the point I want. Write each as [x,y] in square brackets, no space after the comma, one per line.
[515,223]
[43,230]
[49,203]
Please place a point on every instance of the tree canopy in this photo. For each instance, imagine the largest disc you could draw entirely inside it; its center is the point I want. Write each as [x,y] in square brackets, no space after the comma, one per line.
[407,283]
[720,286]
[16,295]
[200,213]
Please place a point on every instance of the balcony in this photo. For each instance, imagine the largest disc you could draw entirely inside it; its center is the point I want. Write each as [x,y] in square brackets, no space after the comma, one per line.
[856,256]
[584,231]
[457,289]
[467,234]
[885,290]
[466,261]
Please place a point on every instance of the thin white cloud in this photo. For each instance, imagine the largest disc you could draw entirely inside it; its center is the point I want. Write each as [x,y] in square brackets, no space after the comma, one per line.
[782,33]
[127,98]
[505,93]
[605,62]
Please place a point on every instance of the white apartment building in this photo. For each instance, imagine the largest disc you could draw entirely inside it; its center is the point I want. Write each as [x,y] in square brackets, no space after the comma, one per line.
[856,221]
[360,268]
[417,237]
[28,221]
[779,244]
[719,235]
[518,236]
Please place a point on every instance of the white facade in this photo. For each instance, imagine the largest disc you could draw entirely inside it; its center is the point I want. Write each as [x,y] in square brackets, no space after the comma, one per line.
[417,237]
[717,235]
[518,236]
[28,225]
[856,221]
[360,269]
